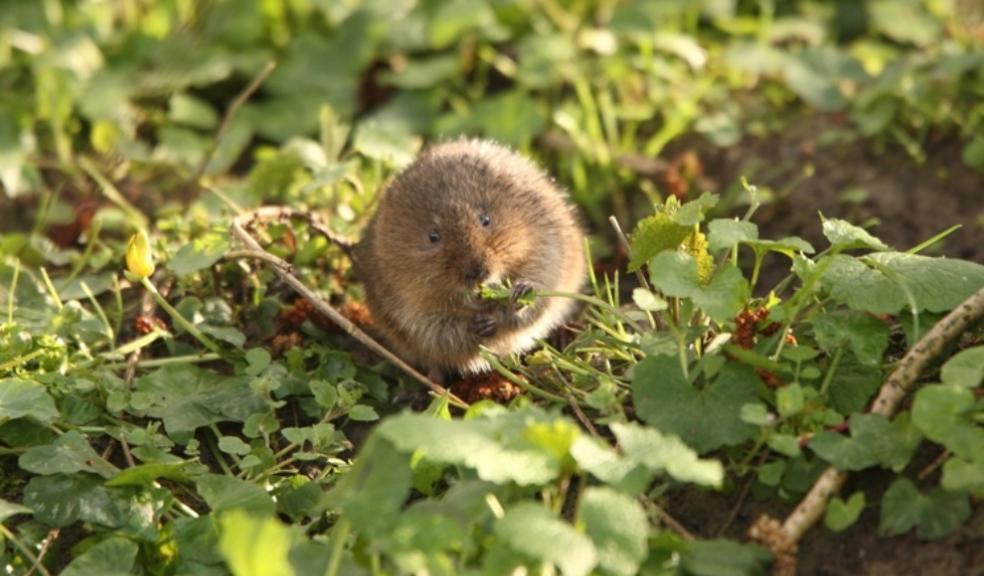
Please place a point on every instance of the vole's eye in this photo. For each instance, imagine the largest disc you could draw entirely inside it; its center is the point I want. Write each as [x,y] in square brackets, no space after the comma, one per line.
[485,220]
[435,236]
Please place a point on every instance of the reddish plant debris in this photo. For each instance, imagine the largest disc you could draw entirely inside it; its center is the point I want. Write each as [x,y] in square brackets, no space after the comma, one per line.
[682,172]
[489,386]
[66,235]
[769,378]
[747,321]
[144,324]
[285,341]
[357,313]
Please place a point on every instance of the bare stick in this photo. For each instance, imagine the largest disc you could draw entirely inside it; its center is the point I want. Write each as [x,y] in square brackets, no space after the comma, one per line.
[901,381]
[665,517]
[230,113]
[283,270]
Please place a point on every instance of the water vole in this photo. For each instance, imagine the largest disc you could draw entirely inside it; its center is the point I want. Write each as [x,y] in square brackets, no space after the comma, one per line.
[464,214]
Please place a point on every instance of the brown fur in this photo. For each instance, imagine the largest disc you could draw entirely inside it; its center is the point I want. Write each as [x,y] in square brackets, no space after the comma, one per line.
[422,294]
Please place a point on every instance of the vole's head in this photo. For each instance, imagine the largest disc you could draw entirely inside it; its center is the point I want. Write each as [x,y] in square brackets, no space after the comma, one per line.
[457,218]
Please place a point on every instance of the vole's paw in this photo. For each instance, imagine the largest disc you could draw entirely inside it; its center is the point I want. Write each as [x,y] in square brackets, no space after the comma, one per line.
[521,291]
[483,325]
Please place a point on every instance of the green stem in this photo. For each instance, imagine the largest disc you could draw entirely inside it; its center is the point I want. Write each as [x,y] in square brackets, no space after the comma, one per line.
[831,371]
[35,561]
[179,319]
[338,537]
[11,295]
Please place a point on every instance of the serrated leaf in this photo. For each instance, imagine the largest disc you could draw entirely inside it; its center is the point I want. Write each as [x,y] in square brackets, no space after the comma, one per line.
[254,546]
[233,445]
[853,384]
[692,213]
[659,452]
[963,475]
[943,412]
[652,235]
[62,500]
[874,441]
[866,335]
[363,413]
[840,514]
[664,398]
[112,557]
[492,446]
[223,493]
[675,274]
[935,284]
[726,233]
[533,530]
[618,526]
[844,235]
[935,515]
[20,398]
[965,368]
[69,453]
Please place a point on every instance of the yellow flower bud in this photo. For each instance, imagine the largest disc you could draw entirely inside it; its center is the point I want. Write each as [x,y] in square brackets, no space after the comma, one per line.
[139,258]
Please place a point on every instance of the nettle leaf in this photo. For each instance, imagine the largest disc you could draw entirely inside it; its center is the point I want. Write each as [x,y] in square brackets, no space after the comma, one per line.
[675,274]
[112,557]
[965,369]
[59,501]
[654,234]
[69,453]
[725,558]
[20,398]
[498,447]
[186,397]
[944,413]
[727,233]
[866,335]
[841,515]
[936,514]
[255,546]
[223,492]
[665,399]
[874,441]
[660,452]
[536,532]
[618,526]
[882,283]
[844,235]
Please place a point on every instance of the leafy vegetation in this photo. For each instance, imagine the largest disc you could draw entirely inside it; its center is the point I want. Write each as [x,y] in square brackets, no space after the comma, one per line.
[168,406]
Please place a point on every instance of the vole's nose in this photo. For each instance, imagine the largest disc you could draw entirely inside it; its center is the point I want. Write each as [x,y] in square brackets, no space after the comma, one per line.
[476,272]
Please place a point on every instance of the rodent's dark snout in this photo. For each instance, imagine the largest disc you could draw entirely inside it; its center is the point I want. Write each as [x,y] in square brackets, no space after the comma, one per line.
[475,272]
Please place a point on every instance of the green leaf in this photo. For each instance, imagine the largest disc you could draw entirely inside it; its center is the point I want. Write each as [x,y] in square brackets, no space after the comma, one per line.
[222,493]
[882,282]
[199,254]
[725,558]
[372,493]
[726,233]
[660,452]
[789,399]
[254,546]
[233,445]
[363,413]
[494,446]
[186,397]
[9,509]
[69,453]
[874,441]
[112,557]
[943,412]
[59,501]
[665,399]
[654,234]
[425,72]
[935,515]
[675,274]
[960,474]
[618,526]
[866,335]
[533,530]
[841,515]
[973,153]
[20,398]
[853,384]
[965,368]
[144,474]
[844,235]
[511,116]
[191,111]
[646,300]
[391,144]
